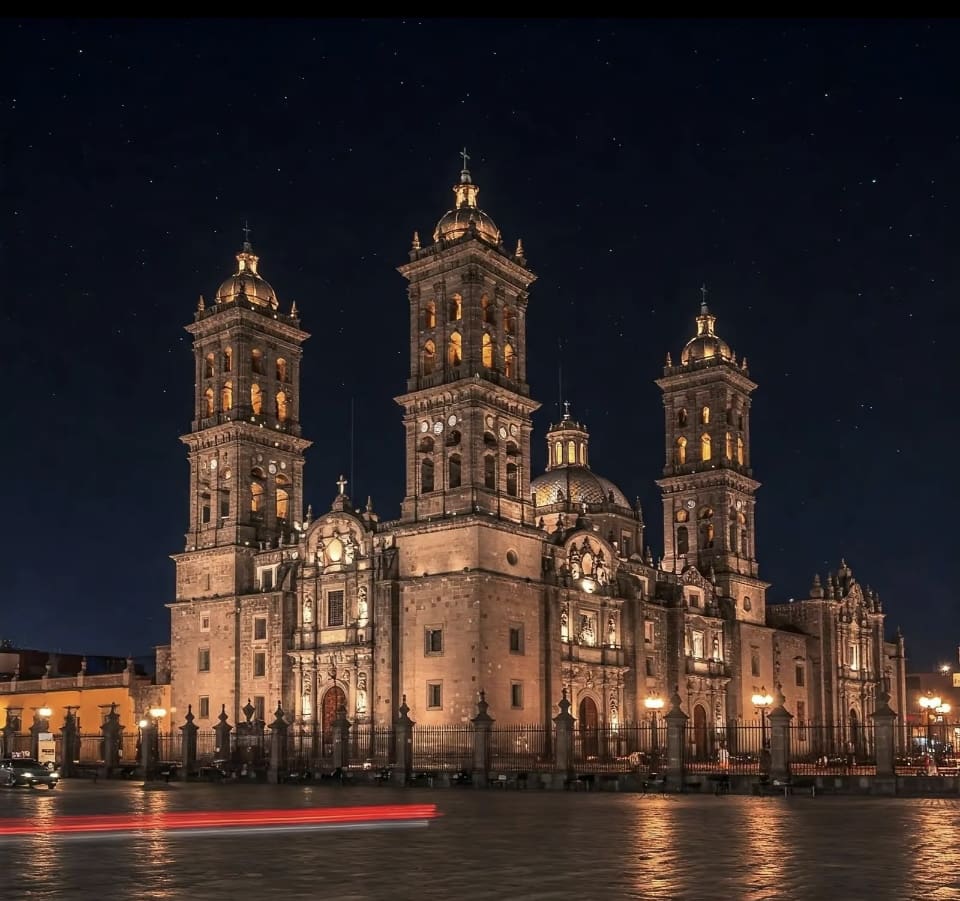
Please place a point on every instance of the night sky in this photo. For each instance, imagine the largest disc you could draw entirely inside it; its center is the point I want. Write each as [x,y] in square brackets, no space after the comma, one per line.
[806,172]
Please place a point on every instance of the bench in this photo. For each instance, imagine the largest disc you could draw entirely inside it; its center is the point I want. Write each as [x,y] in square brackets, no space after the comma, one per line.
[655,782]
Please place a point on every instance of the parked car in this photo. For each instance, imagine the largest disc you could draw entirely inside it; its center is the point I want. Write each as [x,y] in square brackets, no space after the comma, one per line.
[27,771]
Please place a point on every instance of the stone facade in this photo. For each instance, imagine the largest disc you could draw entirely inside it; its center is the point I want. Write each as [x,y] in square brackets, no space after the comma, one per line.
[492,579]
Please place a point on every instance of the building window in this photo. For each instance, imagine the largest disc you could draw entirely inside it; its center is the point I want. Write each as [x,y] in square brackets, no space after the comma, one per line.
[266,578]
[800,675]
[204,622]
[683,541]
[516,639]
[516,695]
[455,308]
[705,451]
[226,396]
[282,373]
[649,667]
[512,479]
[228,359]
[433,641]
[260,664]
[428,358]
[434,695]
[648,631]
[696,644]
[626,544]
[334,608]
[259,628]
[426,475]
[208,402]
[430,315]
[754,662]
[204,508]
[256,361]
[705,416]
[486,351]
[682,417]
[802,720]
[259,709]
[454,469]
[224,504]
[203,660]
[208,367]
[509,362]
[489,473]
[694,599]
[204,708]
[681,451]
[455,349]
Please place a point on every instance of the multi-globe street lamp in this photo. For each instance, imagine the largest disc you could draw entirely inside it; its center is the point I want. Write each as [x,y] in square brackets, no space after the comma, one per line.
[762,701]
[653,703]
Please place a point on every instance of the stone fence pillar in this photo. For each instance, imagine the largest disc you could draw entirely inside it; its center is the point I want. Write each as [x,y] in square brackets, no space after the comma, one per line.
[482,724]
[70,744]
[112,737]
[404,738]
[148,740]
[278,745]
[341,738]
[188,745]
[564,750]
[779,719]
[676,721]
[884,728]
[222,736]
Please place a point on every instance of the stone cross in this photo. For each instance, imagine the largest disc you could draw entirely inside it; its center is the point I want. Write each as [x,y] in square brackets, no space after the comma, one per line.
[342,482]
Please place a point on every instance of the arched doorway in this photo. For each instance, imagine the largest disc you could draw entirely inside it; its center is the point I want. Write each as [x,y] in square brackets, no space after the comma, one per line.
[699,733]
[589,723]
[332,701]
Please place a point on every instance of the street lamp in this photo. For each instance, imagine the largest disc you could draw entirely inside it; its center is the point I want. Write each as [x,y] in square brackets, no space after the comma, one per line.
[929,703]
[762,701]
[653,704]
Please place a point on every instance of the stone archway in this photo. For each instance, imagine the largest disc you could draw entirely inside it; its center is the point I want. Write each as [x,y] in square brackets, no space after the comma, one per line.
[332,701]
[589,723]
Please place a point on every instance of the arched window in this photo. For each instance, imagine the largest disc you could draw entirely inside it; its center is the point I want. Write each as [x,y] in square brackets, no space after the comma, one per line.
[228,359]
[490,440]
[208,367]
[740,421]
[426,445]
[256,498]
[282,373]
[740,450]
[512,479]
[429,361]
[571,452]
[705,448]
[486,310]
[683,542]
[426,474]
[256,399]
[455,350]
[490,472]
[728,442]
[509,321]
[282,406]
[681,451]
[705,416]
[509,361]
[283,500]
[682,417]
[256,361]
[455,308]
[208,402]
[582,454]
[453,467]
[558,453]
[453,438]
[430,315]
[205,507]
[226,396]
[486,351]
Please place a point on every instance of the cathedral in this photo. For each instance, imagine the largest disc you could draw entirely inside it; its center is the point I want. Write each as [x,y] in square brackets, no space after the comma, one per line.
[493,578]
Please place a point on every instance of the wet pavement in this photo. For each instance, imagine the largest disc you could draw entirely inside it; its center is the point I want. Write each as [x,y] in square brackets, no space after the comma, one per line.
[489,844]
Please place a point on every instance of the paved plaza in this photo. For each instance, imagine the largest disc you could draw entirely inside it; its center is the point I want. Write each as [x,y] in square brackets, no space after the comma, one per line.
[491,844]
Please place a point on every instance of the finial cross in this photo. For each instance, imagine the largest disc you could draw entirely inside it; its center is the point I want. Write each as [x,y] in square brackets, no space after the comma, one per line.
[703,293]
[566,409]
[342,482]
[465,156]
[246,231]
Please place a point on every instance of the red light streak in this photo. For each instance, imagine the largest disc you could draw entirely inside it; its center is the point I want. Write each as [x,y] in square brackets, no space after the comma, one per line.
[226,819]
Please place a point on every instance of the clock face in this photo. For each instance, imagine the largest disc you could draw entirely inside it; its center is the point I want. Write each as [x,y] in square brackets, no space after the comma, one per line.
[213,464]
[452,421]
[739,505]
[489,422]
[514,430]
[424,426]
[272,468]
[691,504]
[503,432]
[437,427]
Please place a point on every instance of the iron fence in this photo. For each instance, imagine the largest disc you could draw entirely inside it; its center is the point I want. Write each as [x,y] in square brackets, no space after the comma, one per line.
[447,748]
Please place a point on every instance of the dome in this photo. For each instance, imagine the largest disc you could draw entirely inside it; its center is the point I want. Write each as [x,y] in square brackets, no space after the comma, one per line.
[248,282]
[706,344]
[456,223]
[577,484]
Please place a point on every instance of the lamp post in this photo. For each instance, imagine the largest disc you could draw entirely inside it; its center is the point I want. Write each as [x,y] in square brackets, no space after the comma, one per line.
[149,729]
[653,704]
[929,703]
[762,701]
[41,725]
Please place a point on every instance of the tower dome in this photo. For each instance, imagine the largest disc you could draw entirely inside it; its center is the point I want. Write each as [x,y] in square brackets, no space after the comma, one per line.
[466,214]
[246,282]
[706,344]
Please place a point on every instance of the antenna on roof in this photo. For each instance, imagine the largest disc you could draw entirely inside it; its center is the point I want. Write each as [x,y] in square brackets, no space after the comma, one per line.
[559,376]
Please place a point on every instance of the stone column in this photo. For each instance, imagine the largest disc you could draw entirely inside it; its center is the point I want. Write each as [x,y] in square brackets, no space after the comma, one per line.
[884,729]
[278,745]
[404,738]
[112,736]
[188,744]
[779,719]
[11,728]
[676,721]
[564,747]
[341,739]
[222,736]
[69,746]
[482,724]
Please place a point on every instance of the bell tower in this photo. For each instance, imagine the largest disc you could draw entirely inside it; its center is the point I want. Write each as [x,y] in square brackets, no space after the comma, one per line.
[467,410]
[709,493]
[244,447]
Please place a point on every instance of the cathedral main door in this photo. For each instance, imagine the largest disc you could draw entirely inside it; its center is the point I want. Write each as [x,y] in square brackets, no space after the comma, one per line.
[589,723]
[328,713]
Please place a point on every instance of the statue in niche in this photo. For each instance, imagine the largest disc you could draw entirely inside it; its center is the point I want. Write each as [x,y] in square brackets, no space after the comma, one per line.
[611,632]
[307,703]
[614,709]
[361,693]
[321,552]
[600,569]
[564,624]
[716,648]
[363,613]
[573,559]
[588,634]
[308,609]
